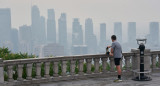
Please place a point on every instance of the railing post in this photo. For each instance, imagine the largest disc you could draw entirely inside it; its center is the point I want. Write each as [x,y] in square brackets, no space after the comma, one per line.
[29,71]
[38,70]
[154,61]
[89,65]
[1,71]
[55,69]
[47,67]
[64,66]
[10,73]
[80,66]
[159,60]
[104,64]
[20,71]
[111,64]
[72,68]
[96,64]
[127,62]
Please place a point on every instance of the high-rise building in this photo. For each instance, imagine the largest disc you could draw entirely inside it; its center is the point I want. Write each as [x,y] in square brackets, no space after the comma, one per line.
[42,31]
[90,38]
[51,27]
[62,32]
[25,40]
[35,14]
[154,33]
[132,33]
[15,40]
[77,33]
[102,43]
[118,31]
[5,27]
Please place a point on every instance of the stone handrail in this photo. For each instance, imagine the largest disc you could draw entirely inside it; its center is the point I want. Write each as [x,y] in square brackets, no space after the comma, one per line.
[98,60]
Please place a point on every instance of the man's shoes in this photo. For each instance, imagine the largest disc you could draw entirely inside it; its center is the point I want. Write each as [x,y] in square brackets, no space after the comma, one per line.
[118,80]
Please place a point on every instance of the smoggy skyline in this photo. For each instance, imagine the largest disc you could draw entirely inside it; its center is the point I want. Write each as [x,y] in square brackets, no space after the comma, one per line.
[103,11]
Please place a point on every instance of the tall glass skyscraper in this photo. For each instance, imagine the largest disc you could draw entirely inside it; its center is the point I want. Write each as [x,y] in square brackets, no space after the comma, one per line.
[118,31]
[51,27]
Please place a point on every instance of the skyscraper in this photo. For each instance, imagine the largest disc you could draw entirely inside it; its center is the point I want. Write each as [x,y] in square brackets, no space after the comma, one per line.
[90,38]
[42,31]
[102,43]
[132,33]
[77,33]
[154,33]
[35,14]
[15,40]
[25,39]
[51,27]
[118,31]
[62,31]
[5,27]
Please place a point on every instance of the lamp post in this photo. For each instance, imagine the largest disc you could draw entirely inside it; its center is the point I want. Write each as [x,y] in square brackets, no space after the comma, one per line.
[142,76]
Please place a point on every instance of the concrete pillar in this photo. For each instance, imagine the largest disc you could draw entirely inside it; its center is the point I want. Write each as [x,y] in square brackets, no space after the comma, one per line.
[72,68]
[1,71]
[112,65]
[46,69]
[127,63]
[104,64]
[29,71]
[136,59]
[80,66]
[96,65]
[38,70]
[20,71]
[89,65]
[64,68]
[55,69]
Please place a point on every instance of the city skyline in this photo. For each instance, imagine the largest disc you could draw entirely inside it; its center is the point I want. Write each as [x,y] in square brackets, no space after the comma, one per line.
[44,32]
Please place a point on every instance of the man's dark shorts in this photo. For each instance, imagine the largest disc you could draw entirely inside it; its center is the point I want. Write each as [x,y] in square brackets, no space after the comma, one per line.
[117,61]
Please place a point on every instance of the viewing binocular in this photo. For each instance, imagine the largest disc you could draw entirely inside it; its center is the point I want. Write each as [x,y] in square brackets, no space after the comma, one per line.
[107,51]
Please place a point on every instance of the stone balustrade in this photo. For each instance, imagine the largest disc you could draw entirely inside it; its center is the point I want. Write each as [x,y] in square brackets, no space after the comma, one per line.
[70,67]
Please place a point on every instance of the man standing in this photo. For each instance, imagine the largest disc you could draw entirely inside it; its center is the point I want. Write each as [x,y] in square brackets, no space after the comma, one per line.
[116,52]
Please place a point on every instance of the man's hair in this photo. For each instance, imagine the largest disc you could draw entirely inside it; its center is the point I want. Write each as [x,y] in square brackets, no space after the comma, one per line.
[113,37]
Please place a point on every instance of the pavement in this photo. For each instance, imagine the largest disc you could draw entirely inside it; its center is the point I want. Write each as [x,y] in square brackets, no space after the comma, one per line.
[127,81]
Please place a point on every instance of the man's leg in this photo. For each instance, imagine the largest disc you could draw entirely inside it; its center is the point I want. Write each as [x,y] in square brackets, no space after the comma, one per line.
[119,71]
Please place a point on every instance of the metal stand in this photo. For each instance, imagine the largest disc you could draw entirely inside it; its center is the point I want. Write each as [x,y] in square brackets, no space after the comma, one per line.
[142,74]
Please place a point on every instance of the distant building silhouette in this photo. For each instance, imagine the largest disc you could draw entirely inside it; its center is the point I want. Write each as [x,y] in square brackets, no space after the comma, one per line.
[103,42]
[118,31]
[51,27]
[90,38]
[25,39]
[132,33]
[62,32]
[5,27]
[154,34]
[15,40]
[77,33]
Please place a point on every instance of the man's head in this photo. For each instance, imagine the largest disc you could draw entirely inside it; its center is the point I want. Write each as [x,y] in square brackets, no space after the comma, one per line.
[113,37]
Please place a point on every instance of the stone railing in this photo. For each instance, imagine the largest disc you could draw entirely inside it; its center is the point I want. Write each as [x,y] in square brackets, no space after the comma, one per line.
[103,67]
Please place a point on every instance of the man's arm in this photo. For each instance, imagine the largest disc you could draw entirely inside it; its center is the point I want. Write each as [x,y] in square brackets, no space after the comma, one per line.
[111,53]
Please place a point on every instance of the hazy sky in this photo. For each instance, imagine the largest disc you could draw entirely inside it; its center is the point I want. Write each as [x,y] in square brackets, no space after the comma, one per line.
[101,11]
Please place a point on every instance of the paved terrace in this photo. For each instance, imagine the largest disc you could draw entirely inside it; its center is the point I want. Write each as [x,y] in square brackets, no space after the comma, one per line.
[103,74]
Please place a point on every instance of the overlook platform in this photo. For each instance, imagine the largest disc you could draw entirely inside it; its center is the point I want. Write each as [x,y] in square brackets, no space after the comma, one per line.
[108,82]
[84,70]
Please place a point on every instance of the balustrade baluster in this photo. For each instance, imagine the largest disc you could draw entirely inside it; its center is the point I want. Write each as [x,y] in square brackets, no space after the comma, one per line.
[20,71]
[38,70]
[127,62]
[89,65]
[104,64]
[80,66]
[29,71]
[112,65]
[96,64]
[55,69]
[47,68]
[72,68]
[64,66]
[10,73]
